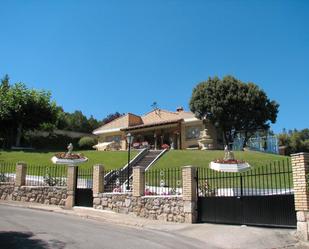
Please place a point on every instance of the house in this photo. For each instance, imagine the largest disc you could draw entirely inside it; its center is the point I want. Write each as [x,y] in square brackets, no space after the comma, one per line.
[179,130]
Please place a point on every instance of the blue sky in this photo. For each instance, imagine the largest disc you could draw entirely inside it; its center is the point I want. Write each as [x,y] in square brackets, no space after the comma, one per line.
[105,56]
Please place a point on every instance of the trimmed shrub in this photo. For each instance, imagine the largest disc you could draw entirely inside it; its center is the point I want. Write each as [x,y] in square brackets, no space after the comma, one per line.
[86,143]
[52,142]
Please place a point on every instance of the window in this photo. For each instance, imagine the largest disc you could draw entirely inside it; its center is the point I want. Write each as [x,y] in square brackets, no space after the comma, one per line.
[113,138]
[192,132]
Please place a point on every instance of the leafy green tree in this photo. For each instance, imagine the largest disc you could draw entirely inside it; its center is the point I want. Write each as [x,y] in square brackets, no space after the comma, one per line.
[23,109]
[78,122]
[295,141]
[233,106]
[93,123]
[5,83]
[75,121]
[110,117]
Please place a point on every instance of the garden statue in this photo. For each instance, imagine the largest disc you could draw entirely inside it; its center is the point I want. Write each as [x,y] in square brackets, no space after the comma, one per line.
[228,155]
[205,141]
[70,149]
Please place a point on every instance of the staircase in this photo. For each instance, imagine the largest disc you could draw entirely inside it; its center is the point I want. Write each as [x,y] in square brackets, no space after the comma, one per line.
[144,159]
[148,159]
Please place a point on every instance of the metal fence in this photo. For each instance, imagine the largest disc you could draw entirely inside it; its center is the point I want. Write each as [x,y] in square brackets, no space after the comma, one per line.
[84,178]
[269,144]
[116,180]
[7,172]
[272,179]
[38,175]
[163,182]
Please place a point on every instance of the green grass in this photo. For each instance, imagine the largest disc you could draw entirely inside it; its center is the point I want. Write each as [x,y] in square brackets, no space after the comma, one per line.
[110,159]
[171,160]
[117,159]
[179,158]
[264,173]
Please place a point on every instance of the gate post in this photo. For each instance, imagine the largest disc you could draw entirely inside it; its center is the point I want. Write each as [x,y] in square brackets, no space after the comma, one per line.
[300,167]
[71,186]
[98,179]
[138,181]
[21,171]
[189,193]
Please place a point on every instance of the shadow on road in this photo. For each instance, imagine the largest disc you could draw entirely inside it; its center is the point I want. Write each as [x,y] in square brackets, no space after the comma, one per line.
[24,240]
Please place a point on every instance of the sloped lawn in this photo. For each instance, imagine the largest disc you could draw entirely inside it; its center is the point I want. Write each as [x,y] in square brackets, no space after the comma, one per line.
[110,159]
[268,170]
[178,158]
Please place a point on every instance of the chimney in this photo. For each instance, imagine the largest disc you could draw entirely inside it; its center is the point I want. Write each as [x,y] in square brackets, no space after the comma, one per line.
[179,109]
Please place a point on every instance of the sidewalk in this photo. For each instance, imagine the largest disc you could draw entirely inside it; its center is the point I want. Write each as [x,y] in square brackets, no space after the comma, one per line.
[221,236]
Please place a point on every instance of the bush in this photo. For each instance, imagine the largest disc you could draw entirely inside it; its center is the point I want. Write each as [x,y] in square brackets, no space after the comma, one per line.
[295,141]
[52,142]
[86,143]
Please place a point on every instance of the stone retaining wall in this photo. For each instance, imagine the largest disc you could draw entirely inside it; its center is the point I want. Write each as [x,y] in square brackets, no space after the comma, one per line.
[44,195]
[166,208]
[6,190]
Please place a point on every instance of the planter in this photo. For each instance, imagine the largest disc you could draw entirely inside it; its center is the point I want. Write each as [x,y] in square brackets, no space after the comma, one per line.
[64,161]
[229,167]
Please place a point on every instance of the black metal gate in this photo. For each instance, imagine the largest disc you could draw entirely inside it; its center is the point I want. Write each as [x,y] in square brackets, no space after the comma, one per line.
[262,196]
[83,193]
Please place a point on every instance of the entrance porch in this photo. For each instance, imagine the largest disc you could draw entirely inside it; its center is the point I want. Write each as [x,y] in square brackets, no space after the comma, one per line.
[156,136]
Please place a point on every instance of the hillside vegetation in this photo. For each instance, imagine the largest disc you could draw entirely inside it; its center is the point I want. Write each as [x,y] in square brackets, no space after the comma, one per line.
[178,158]
[110,159]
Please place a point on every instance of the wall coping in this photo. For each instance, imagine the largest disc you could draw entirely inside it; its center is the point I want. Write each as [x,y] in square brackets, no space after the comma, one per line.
[7,183]
[143,197]
[38,187]
[300,154]
[116,193]
[188,166]
[138,167]
[161,196]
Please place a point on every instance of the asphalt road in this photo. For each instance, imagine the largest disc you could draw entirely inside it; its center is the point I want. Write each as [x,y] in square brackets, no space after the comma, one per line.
[22,228]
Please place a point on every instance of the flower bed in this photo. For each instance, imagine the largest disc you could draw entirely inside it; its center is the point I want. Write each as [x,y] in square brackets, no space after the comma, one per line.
[229,161]
[65,155]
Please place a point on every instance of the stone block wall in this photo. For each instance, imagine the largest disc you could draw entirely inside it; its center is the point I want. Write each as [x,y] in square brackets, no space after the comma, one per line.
[43,195]
[6,191]
[165,208]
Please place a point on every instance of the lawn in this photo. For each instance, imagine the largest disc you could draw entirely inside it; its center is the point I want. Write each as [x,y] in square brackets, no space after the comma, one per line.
[110,159]
[172,160]
[269,170]
[117,159]
[179,158]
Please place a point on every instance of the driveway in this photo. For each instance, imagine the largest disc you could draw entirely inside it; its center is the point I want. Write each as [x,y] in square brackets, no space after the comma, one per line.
[29,228]
[26,228]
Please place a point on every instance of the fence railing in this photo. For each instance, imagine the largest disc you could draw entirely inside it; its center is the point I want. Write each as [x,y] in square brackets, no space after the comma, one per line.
[116,180]
[271,179]
[38,175]
[163,182]
[84,178]
[7,172]
[269,144]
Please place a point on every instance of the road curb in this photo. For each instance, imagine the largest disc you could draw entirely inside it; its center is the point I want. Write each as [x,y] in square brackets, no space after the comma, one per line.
[127,220]
[93,214]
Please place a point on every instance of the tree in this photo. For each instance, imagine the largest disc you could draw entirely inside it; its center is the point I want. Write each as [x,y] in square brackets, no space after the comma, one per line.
[111,117]
[295,141]
[78,122]
[5,83]
[233,106]
[23,109]
[93,123]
